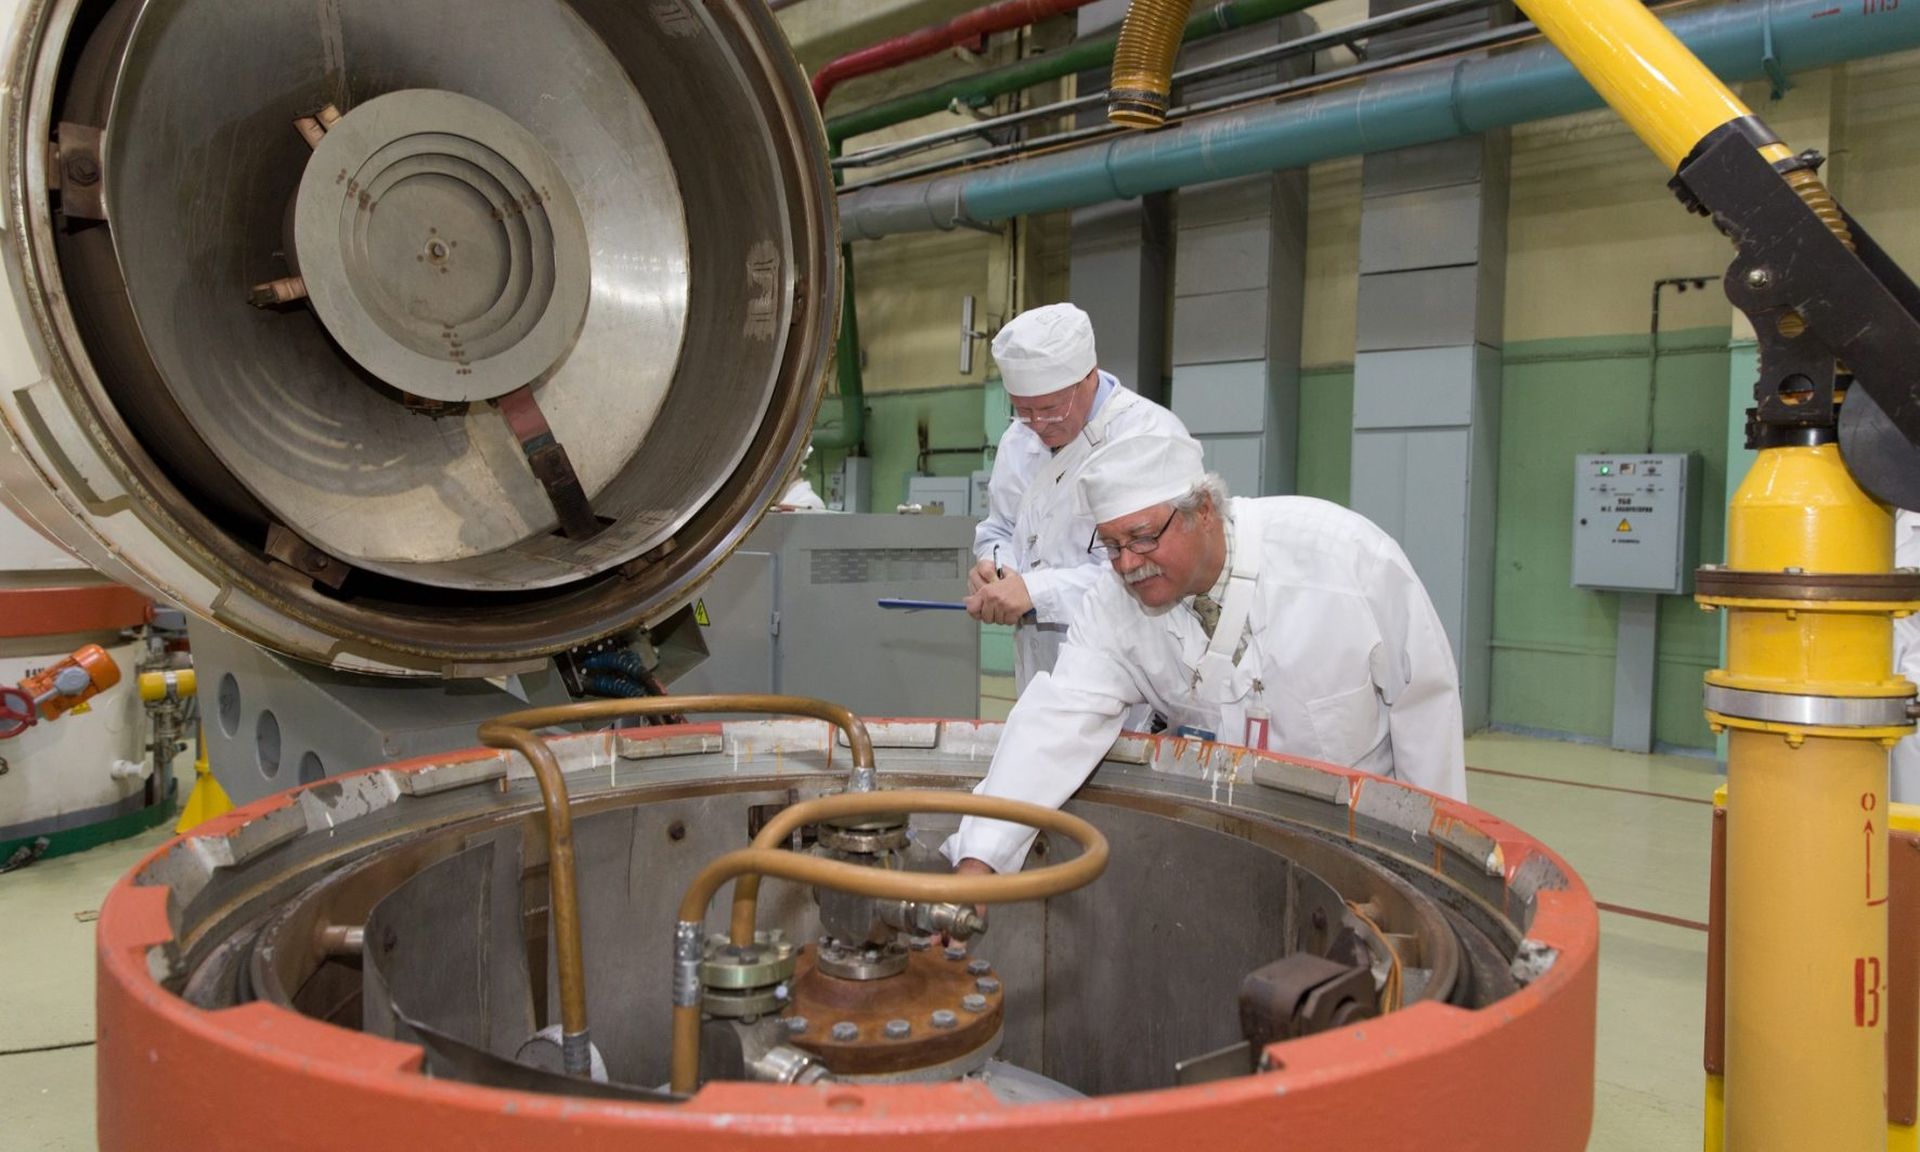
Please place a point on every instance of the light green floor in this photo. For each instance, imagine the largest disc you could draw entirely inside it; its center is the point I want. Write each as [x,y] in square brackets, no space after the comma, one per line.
[1639,840]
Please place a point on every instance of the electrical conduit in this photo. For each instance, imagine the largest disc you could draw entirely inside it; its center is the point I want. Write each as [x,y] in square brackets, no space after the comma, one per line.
[1395,110]
[1079,56]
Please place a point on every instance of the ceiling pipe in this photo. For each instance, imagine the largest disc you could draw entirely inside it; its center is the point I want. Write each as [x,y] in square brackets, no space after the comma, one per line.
[1738,42]
[935,38]
[1080,56]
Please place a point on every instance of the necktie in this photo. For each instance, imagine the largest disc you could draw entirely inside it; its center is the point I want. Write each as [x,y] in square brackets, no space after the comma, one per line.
[1208,609]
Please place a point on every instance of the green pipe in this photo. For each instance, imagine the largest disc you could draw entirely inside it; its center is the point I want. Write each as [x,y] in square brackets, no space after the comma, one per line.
[846,356]
[1079,56]
[852,428]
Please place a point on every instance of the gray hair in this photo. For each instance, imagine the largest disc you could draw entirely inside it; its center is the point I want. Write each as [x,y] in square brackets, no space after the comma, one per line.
[1211,489]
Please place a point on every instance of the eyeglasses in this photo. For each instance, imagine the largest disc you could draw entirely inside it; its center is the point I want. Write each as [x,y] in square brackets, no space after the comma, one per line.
[1138,545]
[1056,414]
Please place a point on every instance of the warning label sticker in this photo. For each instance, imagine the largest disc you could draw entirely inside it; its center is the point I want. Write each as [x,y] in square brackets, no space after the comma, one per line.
[700,611]
[1624,527]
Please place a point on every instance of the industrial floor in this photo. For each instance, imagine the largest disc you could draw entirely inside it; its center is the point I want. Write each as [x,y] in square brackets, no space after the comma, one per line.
[1635,827]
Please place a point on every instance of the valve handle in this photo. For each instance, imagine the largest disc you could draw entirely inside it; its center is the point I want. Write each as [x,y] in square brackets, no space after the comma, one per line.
[17,713]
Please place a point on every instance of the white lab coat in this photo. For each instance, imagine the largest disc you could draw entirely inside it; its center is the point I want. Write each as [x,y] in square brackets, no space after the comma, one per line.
[801,497]
[1347,656]
[1906,659]
[1040,533]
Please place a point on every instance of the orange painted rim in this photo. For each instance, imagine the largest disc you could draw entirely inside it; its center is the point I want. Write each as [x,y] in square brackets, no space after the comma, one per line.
[1517,1074]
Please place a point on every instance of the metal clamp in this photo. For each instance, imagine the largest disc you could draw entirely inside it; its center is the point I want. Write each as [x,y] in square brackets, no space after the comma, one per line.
[1810,711]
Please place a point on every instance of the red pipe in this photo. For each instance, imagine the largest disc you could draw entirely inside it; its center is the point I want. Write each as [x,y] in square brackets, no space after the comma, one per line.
[917,45]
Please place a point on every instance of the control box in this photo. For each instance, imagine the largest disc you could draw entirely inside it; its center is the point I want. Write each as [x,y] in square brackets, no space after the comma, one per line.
[941,495]
[1635,522]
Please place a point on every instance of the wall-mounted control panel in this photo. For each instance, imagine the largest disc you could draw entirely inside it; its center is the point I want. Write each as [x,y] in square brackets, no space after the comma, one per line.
[1635,527]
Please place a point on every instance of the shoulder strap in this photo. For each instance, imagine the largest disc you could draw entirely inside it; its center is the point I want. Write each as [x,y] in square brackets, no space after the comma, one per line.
[1217,664]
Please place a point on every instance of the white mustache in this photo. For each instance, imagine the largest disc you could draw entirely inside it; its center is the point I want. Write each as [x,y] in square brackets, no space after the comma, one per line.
[1144,572]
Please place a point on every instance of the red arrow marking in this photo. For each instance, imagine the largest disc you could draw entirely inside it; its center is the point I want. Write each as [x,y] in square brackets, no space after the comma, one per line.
[1869,831]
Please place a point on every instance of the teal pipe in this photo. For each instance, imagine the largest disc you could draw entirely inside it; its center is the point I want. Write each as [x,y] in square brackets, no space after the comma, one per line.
[1079,56]
[1738,41]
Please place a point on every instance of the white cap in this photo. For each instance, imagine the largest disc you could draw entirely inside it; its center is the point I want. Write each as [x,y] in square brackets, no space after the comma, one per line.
[1139,472]
[1044,350]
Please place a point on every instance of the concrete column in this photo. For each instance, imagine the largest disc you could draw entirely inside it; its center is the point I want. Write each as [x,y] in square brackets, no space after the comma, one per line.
[1239,286]
[1119,258]
[1426,403]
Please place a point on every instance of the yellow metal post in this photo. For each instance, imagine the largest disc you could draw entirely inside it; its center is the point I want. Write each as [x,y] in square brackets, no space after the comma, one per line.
[1806,923]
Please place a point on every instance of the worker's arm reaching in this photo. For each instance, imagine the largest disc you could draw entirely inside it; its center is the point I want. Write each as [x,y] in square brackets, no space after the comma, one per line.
[1062,726]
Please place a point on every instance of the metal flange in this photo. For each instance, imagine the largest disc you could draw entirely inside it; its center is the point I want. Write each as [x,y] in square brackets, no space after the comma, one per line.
[1809,711]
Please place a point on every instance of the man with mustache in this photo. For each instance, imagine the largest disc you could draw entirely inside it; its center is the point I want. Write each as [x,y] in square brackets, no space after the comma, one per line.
[1284,623]
[1031,564]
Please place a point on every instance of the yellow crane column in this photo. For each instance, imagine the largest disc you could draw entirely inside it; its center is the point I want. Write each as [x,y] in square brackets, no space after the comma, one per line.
[1808,695]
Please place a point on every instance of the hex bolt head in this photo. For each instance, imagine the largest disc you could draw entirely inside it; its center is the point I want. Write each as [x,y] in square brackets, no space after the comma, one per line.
[956,952]
[944,1018]
[920,943]
[898,1029]
[987,984]
[974,1002]
[978,967]
[846,1030]
[796,1025]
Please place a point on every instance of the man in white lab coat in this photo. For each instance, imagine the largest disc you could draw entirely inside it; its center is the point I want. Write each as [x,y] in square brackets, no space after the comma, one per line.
[1031,562]
[1285,623]
[1906,659]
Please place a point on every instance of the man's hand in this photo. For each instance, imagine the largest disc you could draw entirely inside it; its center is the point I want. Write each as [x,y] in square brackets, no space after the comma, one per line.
[973,866]
[1002,601]
[982,574]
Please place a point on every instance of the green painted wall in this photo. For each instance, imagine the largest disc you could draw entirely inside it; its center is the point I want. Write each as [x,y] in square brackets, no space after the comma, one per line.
[1326,433]
[1554,644]
[953,417]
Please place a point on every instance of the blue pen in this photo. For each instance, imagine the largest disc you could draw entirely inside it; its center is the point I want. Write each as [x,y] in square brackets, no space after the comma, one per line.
[924,605]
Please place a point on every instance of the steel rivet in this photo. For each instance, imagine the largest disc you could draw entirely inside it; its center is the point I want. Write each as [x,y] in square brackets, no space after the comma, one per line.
[898,1029]
[944,1018]
[846,1030]
[974,1002]
[796,1025]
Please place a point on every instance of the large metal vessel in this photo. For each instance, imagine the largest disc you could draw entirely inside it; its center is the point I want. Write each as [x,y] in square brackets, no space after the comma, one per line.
[375,959]
[424,337]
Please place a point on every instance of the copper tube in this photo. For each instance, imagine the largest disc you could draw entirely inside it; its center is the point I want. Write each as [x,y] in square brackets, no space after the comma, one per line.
[1142,80]
[512,732]
[563,893]
[881,883]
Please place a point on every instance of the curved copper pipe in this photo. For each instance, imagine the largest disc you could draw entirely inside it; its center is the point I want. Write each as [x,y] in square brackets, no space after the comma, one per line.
[877,883]
[512,732]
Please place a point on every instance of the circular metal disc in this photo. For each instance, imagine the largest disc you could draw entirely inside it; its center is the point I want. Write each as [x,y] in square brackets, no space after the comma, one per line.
[199,180]
[441,246]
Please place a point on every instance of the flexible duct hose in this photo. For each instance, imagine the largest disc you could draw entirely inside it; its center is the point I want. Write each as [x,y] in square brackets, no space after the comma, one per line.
[1142,79]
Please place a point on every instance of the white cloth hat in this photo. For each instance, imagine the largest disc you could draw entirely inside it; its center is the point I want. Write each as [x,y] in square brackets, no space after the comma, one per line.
[1139,472]
[1044,349]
